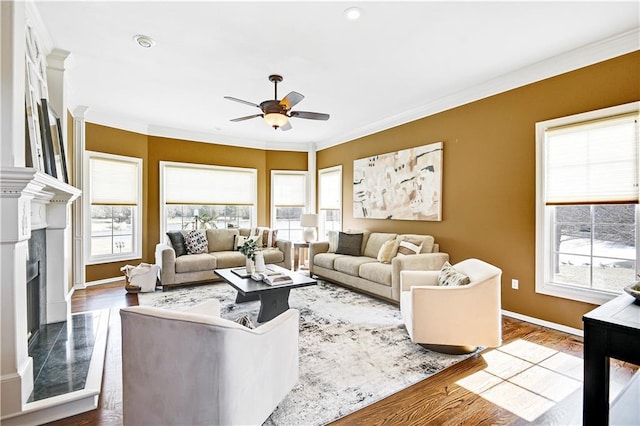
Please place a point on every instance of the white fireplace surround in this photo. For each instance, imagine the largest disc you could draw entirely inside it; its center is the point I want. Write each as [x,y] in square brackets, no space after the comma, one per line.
[30,200]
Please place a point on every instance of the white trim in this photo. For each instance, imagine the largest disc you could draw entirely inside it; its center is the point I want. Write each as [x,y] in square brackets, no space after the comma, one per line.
[600,51]
[104,281]
[543,283]
[543,323]
[136,252]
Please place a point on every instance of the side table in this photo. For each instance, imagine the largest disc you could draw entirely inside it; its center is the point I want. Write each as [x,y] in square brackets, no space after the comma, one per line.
[299,246]
[611,330]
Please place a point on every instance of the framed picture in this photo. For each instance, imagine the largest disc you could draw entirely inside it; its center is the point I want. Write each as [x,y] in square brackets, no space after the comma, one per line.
[402,185]
[33,138]
[55,127]
[47,138]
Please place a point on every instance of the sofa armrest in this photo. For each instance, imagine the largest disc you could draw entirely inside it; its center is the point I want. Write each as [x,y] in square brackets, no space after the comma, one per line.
[285,247]
[166,260]
[414,262]
[315,248]
[210,307]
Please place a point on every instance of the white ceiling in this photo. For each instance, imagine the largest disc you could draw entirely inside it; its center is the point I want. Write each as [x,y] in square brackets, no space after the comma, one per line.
[399,62]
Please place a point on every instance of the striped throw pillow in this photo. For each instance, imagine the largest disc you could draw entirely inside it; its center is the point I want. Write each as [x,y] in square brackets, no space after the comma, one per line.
[408,246]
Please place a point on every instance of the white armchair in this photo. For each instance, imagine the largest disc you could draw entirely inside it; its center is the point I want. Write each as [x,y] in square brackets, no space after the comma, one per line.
[193,367]
[453,319]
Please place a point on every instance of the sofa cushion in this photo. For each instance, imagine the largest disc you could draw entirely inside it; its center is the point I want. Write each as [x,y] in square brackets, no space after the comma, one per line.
[375,242]
[177,242]
[349,244]
[409,245]
[273,255]
[229,259]
[388,251]
[325,260]
[351,264]
[448,276]
[195,263]
[377,272]
[196,242]
[221,239]
[427,241]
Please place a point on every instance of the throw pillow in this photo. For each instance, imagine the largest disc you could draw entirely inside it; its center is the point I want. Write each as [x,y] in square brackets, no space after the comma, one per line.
[349,244]
[409,245]
[177,242]
[450,277]
[239,242]
[245,321]
[196,242]
[388,251]
[269,236]
[333,241]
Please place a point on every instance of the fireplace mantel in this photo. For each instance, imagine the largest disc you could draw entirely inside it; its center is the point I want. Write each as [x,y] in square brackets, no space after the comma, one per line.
[30,199]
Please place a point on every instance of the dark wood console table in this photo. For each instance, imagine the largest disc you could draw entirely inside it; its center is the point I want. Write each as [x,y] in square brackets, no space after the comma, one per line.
[610,331]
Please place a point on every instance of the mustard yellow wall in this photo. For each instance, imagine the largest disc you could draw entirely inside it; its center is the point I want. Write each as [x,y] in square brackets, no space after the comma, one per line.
[489,174]
[154,149]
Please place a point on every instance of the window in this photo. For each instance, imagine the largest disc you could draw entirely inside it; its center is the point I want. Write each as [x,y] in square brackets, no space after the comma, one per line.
[587,204]
[330,200]
[194,196]
[288,201]
[113,207]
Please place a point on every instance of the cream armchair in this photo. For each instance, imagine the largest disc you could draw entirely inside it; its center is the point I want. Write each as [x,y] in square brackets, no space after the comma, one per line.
[453,319]
[193,367]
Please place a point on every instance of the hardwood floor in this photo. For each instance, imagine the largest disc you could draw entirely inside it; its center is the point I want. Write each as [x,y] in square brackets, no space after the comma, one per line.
[473,392]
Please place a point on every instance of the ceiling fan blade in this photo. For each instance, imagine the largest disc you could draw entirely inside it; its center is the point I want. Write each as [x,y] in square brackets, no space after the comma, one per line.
[290,100]
[310,115]
[248,117]
[286,127]
[231,98]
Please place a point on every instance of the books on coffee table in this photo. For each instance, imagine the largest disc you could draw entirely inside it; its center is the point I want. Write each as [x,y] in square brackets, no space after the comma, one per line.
[272,278]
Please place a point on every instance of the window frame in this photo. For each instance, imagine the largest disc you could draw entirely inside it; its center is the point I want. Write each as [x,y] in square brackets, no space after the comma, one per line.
[545,220]
[162,198]
[304,206]
[136,216]
[322,231]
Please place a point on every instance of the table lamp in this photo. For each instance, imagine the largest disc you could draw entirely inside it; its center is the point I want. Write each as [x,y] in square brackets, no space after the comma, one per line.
[309,221]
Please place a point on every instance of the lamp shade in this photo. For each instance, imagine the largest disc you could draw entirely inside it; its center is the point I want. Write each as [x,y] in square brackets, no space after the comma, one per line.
[309,220]
[276,119]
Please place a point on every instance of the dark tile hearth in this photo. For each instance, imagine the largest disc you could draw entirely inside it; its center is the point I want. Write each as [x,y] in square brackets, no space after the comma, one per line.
[62,354]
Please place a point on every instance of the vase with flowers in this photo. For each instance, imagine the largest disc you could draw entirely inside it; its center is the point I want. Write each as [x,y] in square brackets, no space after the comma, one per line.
[249,249]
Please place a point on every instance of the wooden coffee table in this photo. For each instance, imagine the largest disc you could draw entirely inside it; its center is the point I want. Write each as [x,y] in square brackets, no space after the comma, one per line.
[274,300]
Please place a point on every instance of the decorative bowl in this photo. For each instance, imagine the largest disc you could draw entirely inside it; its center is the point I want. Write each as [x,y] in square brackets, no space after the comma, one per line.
[634,290]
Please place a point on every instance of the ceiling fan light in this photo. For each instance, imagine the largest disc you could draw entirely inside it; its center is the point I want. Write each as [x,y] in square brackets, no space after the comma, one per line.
[275,119]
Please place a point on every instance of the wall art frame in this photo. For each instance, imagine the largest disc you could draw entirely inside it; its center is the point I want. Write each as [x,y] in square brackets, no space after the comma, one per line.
[401,185]
[47,138]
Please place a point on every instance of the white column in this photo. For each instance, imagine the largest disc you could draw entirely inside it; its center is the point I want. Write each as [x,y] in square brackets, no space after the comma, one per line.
[12,66]
[58,214]
[79,280]
[312,170]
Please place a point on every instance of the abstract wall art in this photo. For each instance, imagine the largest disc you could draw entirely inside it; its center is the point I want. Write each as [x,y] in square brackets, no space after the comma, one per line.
[402,185]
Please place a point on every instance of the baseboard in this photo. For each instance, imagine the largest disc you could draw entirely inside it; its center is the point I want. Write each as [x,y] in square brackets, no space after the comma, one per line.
[104,281]
[548,324]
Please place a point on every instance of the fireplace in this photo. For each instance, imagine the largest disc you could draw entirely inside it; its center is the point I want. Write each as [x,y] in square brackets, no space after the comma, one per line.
[36,283]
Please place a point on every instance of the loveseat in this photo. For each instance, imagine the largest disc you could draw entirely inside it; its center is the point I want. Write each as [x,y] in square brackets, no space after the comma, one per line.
[371,261]
[221,252]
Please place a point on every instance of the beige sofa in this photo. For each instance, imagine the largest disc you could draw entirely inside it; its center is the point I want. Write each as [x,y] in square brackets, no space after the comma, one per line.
[365,272]
[194,268]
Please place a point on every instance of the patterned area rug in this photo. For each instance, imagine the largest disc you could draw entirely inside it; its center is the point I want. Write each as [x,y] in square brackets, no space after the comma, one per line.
[354,349]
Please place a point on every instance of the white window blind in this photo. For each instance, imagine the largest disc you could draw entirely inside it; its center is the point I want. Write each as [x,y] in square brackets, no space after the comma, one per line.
[209,185]
[330,189]
[592,163]
[113,182]
[289,189]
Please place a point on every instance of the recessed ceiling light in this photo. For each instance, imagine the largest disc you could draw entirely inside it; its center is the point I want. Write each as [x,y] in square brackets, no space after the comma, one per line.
[144,41]
[353,13]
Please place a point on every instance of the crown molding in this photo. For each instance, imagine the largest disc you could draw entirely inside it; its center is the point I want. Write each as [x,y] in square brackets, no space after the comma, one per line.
[569,61]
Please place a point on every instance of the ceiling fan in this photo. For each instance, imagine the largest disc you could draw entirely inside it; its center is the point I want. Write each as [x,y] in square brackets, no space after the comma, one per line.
[277,112]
